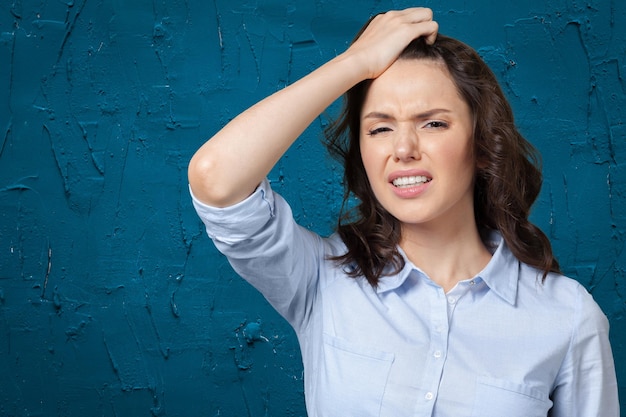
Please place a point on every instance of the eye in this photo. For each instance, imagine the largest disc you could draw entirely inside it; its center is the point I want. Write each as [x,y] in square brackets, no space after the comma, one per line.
[378,130]
[436,124]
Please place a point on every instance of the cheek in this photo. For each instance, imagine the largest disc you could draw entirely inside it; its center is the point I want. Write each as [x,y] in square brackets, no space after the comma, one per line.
[460,158]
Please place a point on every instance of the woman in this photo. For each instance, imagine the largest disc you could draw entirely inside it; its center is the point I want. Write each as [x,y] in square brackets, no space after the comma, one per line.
[436,297]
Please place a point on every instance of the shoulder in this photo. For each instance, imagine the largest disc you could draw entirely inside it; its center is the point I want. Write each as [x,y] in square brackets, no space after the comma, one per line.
[334,245]
[335,271]
[560,295]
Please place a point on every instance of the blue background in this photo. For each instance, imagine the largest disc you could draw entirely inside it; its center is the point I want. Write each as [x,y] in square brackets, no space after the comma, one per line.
[113,302]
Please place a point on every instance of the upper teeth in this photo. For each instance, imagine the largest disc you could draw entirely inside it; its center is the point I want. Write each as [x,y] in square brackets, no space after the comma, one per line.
[414,180]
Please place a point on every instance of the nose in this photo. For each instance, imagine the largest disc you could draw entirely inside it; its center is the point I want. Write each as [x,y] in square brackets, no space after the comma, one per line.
[406,145]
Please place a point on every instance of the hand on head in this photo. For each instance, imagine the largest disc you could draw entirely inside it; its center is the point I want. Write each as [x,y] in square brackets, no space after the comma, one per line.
[387,34]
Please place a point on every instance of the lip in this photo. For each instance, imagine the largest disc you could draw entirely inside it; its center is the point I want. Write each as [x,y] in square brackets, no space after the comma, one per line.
[409,192]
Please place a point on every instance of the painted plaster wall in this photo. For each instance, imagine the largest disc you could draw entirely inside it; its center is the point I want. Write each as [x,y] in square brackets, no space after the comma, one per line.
[113,302]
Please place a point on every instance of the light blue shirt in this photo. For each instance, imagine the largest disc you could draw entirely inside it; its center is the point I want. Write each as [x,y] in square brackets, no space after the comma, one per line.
[500,344]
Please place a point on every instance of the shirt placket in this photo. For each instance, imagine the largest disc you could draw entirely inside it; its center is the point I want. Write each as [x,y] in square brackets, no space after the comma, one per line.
[442,310]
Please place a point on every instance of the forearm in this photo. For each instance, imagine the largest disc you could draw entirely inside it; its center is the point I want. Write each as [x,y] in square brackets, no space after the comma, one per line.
[228,167]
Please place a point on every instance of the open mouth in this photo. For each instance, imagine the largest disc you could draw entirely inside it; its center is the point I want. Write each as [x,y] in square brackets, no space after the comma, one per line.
[412,181]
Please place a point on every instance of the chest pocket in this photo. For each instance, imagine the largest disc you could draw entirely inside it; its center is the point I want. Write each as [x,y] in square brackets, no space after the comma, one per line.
[498,398]
[352,380]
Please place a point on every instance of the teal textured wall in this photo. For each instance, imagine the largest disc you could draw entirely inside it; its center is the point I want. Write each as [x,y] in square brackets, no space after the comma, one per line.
[113,302]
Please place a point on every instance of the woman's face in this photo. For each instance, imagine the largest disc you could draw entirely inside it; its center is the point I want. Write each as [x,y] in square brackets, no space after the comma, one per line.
[416,145]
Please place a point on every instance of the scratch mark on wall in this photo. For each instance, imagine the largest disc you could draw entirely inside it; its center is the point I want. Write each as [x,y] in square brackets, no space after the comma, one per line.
[10,85]
[253,52]
[173,305]
[96,156]
[57,158]
[218,17]
[48,269]
[17,187]
[595,281]
[165,351]
[114,366]
[5,137]
[70,23]
[609,186]
[124,167]
[605,101]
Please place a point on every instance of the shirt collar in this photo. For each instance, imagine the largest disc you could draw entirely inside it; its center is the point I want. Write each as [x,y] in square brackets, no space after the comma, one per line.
[391,282]
[501,273]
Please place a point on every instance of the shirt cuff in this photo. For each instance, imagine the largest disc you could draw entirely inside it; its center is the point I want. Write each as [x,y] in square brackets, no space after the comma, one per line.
[240,221]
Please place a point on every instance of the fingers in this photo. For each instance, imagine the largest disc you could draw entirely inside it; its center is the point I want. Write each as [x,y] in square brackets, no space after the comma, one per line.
[419,20]
[406,16]
[401,26]
[383,39]
[414,14]
[429,26]
[424,17]
[432,36]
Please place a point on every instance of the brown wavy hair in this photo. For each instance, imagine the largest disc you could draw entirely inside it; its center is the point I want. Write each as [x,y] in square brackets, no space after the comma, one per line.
[507,179]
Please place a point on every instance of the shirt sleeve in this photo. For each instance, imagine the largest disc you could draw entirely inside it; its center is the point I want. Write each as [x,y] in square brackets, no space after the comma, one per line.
[266,247]
[586,385]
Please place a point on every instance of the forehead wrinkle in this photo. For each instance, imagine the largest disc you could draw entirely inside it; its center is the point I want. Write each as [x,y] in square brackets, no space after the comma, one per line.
[418,116]
[395,106]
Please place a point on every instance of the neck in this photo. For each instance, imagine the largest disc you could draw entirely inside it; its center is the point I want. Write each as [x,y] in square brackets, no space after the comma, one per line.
[447,255]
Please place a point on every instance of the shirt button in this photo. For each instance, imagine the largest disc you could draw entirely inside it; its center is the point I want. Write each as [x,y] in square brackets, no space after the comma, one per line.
[429,396]
[451,300]
[437,354]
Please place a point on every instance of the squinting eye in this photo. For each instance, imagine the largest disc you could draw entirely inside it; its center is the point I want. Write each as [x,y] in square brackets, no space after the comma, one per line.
[376,131]
[436,124]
